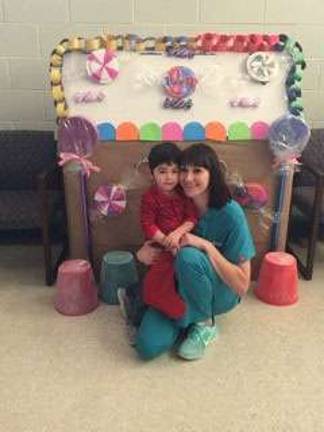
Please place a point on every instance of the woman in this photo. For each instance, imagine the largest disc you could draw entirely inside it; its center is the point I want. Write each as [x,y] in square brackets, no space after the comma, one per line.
[212,267]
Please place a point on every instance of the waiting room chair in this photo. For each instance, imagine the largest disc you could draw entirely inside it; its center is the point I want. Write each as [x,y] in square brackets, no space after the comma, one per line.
[306,222]
[31,194]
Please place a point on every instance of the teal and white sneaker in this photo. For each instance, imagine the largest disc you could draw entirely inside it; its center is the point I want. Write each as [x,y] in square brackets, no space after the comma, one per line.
[123,303]
[125,309]
[197,340]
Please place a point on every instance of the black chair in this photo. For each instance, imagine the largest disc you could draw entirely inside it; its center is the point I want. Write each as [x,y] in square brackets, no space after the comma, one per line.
[306,222]
[32,204]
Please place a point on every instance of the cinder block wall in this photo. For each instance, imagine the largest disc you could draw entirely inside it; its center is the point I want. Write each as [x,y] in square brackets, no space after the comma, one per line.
[30,29]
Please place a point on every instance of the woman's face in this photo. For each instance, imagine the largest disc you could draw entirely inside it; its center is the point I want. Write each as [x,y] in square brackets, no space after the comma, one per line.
[194,180]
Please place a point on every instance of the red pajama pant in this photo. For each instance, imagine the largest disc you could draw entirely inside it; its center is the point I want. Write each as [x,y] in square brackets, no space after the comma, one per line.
[159,289]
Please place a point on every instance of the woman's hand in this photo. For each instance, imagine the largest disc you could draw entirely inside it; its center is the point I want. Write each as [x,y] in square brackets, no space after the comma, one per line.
[194,241]
[148,254]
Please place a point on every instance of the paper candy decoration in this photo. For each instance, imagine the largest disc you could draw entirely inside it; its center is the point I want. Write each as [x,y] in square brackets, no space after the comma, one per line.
[77,135]
[102,66]
[262,66]
[88,96]
[110,200]
[244,102]
[251,195]
[179,82]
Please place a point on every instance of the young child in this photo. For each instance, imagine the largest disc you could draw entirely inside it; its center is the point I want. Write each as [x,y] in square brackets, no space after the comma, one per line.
[166,215]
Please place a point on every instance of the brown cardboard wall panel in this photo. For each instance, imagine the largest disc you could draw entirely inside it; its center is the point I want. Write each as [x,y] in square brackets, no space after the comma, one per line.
[118,161]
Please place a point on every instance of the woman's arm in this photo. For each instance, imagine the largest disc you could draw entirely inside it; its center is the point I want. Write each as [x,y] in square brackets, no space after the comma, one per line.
[237,276]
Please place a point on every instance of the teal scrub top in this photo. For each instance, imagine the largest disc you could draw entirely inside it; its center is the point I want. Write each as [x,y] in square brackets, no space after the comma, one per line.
[228,230]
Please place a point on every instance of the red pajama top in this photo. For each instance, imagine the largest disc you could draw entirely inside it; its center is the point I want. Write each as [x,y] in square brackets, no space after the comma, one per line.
[165,213]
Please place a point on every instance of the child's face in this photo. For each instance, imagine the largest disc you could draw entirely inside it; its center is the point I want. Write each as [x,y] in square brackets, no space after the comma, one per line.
[166,177]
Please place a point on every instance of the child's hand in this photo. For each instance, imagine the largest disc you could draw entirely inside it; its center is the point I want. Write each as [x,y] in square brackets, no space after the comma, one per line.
[148,254]
[172,240]
[174,251]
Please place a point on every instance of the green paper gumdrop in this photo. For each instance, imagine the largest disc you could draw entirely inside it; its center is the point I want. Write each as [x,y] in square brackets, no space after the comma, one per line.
[239,131]
[297,104]
[150,132]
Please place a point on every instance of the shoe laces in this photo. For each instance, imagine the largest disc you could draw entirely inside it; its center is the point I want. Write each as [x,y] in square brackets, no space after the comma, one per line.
[200,333]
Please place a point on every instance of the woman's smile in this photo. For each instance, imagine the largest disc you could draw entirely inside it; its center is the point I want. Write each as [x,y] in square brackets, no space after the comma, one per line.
[194,180]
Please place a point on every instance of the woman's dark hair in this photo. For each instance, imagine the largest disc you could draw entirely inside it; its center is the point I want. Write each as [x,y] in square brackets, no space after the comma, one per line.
[201,155]
[164,153]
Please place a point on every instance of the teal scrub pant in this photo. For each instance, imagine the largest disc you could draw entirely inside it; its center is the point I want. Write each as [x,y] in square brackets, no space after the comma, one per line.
[204,293]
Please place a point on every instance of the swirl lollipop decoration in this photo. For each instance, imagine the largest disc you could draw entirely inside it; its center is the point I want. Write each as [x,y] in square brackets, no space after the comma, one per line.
[179,83]
[102,66]
[262,66]
[110,200]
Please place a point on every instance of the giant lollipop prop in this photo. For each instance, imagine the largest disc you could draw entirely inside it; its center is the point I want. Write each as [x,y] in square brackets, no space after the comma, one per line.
[288,136]
[76,139]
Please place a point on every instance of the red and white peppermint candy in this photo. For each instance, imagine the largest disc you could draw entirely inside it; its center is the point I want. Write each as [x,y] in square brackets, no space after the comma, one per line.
[102,66]
[110,200]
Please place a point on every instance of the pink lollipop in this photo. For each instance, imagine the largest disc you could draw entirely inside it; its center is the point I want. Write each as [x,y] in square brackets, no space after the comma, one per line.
[102,66]
[77,135]
[110,200]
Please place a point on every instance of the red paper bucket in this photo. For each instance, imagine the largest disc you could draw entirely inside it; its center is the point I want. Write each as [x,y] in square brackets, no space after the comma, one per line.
[77,293]
[278,279]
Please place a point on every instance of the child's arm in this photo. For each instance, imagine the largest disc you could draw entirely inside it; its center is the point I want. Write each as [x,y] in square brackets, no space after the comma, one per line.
[159,237]
[172,240]
[190,219]
[148,219]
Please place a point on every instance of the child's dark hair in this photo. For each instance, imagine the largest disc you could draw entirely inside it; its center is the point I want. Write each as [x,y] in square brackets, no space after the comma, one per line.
[164,153]
[201,155]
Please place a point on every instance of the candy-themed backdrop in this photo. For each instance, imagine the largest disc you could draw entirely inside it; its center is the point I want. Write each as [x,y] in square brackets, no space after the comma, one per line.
[221,81]
[227,92]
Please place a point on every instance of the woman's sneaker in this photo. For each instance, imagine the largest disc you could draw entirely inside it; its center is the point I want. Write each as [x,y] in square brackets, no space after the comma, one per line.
[126,311]
[131,304]
[123,303]
[197,340]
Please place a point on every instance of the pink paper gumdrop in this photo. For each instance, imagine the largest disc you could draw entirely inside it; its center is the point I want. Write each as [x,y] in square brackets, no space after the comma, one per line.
[259,130]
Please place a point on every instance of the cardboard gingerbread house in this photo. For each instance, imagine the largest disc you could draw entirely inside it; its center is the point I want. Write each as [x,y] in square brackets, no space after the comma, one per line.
[116,96]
